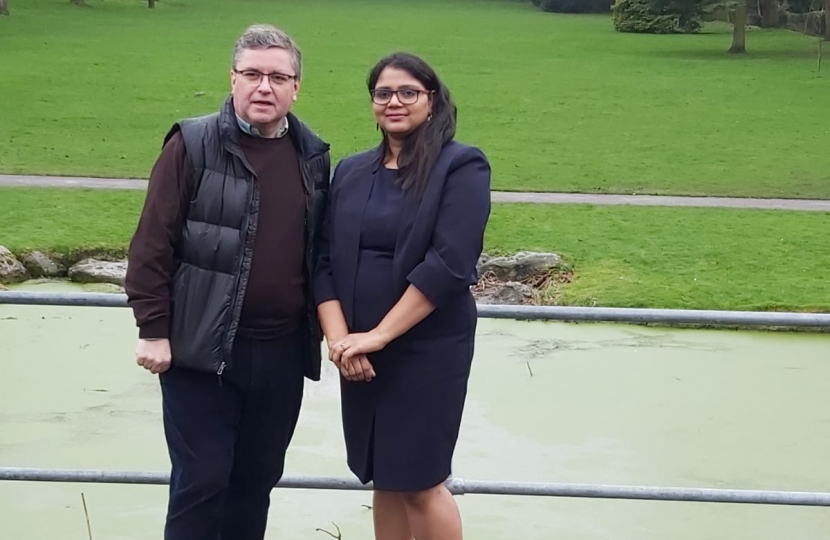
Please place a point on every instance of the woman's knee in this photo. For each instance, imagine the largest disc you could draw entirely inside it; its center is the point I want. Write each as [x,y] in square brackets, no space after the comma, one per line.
[422,498]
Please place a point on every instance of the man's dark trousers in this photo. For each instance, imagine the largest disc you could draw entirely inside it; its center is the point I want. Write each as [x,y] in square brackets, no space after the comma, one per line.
[227,439]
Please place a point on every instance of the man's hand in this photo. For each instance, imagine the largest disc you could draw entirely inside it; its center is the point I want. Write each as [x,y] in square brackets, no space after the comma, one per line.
[153,355]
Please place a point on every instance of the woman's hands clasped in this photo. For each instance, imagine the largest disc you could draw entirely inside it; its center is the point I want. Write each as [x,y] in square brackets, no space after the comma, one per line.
[349,354]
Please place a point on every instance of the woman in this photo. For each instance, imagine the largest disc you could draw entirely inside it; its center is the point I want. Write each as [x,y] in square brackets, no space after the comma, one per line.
[397,256]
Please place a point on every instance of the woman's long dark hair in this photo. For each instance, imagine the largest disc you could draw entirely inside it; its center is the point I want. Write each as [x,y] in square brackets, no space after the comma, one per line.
[421,148]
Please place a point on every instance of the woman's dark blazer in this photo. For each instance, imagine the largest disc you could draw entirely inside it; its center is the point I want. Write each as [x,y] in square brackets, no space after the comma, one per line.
[441,234]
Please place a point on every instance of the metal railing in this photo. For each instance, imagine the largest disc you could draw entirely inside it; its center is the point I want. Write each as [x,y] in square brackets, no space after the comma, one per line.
[460,486]
[488,311]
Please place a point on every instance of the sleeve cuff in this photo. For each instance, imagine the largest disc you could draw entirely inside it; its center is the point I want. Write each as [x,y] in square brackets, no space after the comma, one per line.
[155,329]
[322,298]
[421,280]
[324,290]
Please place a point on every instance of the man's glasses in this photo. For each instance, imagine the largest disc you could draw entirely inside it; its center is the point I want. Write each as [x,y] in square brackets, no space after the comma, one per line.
[407,96]
[254,77]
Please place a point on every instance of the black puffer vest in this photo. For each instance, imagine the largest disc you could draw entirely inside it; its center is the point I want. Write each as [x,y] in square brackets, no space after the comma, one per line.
[216,245]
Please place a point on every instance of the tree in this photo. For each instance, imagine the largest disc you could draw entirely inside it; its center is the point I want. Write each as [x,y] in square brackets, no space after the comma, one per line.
[827,20]
[4,7]
[769,13]
[151,4]
[659,16]
[739,30]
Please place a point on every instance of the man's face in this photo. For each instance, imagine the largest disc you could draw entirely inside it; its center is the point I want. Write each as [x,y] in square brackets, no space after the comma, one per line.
[264,100]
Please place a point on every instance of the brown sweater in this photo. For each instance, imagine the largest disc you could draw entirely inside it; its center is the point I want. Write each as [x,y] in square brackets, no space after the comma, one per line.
[275,298]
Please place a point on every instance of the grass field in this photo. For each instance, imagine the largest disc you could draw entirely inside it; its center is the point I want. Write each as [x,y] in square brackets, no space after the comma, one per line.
[559,103]
[625,257]
[714,258]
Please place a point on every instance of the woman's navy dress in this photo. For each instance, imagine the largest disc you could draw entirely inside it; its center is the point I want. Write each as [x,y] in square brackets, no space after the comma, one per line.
[401,428]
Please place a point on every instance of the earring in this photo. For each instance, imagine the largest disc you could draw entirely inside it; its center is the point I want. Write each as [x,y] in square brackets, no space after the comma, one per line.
[429,117]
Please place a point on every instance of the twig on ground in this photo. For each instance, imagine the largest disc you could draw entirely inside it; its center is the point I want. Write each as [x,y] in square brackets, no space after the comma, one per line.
[338,536]
[86,514]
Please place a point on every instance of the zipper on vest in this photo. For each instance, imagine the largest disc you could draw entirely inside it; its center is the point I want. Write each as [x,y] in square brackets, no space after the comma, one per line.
[220,371]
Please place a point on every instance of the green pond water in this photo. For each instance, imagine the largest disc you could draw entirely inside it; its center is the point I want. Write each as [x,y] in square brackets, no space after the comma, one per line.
[548,402]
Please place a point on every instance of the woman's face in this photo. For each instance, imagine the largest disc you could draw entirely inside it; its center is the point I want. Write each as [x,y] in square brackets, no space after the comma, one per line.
[400,102]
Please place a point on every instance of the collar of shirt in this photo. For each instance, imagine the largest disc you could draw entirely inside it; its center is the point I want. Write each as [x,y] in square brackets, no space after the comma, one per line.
[254,132]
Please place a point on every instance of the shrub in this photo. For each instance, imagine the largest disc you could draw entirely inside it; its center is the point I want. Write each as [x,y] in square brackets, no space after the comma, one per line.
[574,6]
[658,16]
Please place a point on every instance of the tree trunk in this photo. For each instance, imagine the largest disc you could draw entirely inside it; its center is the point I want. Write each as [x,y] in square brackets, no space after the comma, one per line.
[151,3]
[769,13]
[827,20]
[4,7]
[739,31]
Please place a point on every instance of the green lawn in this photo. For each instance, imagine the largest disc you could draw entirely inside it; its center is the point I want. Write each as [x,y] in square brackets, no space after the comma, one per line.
[693,258]
[559,103]
[622,256]
[67,220]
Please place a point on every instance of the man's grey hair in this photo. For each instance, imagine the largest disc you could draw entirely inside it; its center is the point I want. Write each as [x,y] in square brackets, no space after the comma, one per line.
[265,36]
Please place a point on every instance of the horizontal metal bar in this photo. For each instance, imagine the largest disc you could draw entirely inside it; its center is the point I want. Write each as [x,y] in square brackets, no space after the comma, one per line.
[156,478]
[457,486]
[647,315]
[63,299]
[488,311]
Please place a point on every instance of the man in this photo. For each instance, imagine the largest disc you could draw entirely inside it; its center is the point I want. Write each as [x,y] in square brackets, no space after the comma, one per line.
[218,280]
